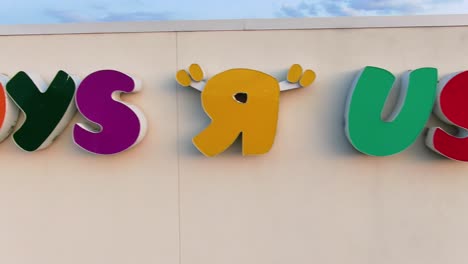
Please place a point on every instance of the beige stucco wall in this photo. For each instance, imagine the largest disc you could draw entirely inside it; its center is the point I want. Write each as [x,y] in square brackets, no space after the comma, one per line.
[312,199]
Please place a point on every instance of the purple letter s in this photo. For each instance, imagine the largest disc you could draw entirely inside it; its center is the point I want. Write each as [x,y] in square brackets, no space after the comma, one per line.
[98,100]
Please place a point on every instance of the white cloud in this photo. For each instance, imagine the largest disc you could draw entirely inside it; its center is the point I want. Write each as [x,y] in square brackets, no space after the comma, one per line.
[68,16]
[373,7]
[60,11]
[53,11]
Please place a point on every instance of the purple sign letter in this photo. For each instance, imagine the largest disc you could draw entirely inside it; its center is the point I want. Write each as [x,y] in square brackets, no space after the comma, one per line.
[118,126]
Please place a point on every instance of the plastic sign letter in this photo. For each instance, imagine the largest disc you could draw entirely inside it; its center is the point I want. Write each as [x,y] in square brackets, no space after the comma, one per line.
[121,125]
[241,102]
[47,109]
[366,130]
[451,107]
[8,111]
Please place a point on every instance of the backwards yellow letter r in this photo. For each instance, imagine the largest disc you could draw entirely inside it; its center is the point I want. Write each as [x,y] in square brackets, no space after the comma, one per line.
[239,101]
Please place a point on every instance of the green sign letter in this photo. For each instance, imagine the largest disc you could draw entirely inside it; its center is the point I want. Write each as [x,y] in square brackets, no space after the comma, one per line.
[366,130]
[47,109]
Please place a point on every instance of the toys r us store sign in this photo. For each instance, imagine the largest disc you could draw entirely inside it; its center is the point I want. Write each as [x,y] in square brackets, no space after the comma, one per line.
[238,101]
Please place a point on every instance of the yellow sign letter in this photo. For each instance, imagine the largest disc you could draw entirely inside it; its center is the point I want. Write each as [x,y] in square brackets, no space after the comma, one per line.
[239,101]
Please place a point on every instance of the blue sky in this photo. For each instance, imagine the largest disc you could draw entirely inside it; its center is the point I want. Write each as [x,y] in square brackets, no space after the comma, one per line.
[63,11]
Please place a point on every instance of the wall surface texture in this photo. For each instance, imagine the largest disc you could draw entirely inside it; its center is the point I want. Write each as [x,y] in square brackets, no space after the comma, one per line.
[311,199]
